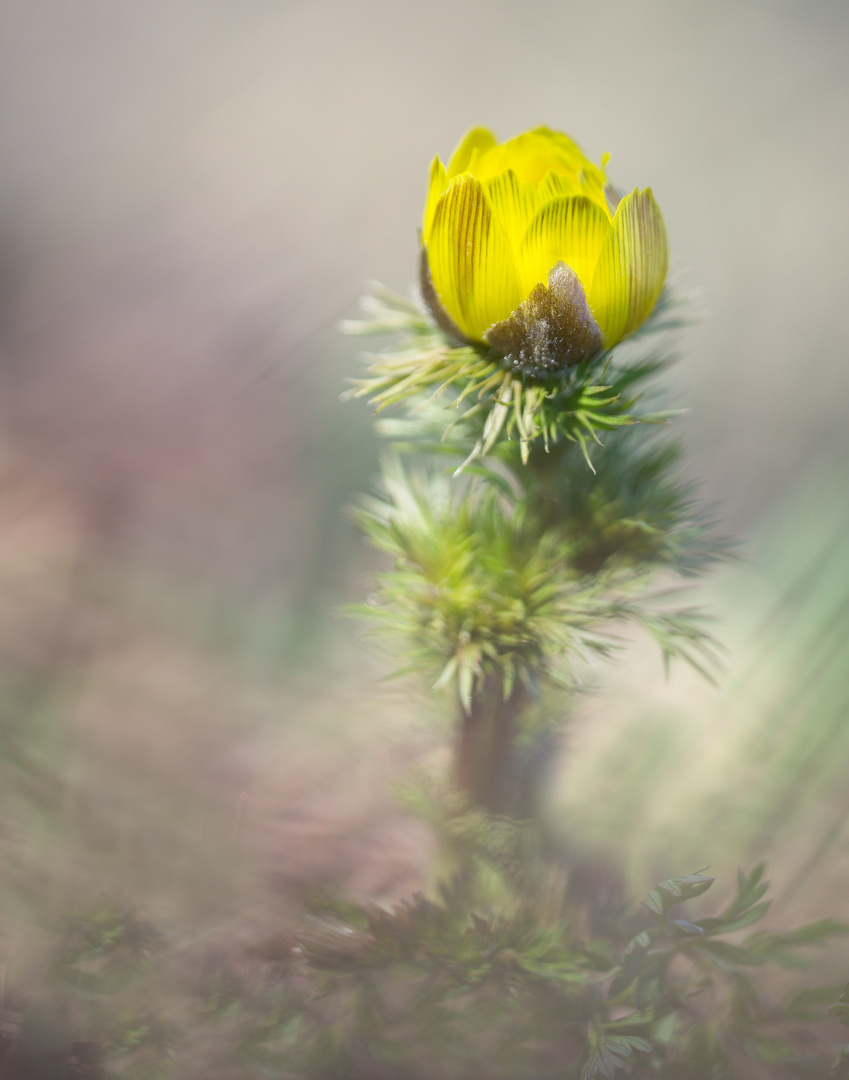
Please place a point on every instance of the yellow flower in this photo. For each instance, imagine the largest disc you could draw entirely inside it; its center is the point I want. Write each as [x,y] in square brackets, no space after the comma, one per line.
[527,249]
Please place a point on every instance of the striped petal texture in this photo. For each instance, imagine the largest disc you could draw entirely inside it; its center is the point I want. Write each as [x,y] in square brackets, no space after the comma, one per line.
[527,249]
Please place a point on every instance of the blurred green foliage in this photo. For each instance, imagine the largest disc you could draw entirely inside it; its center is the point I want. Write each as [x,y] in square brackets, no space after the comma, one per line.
[454,988]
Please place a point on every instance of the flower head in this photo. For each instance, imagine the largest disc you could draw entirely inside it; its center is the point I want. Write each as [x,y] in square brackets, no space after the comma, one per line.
[526,248]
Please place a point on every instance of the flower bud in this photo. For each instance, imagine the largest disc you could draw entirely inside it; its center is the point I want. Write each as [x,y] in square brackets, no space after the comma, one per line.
[527,249]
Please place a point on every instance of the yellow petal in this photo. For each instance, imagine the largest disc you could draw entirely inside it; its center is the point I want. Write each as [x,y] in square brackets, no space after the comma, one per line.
[593,183]
[530,156]
[570,230]
[535,152]
[471,261]
[570,162]
[554,185]
[569,157]
[476,142]
[436,188]
[631,267]
[514,203]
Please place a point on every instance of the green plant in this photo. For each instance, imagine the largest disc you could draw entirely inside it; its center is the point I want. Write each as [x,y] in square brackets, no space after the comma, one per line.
[455,987]
[517,560]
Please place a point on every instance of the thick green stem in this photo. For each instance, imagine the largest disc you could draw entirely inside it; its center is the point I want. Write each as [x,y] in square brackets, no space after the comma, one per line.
[484,756]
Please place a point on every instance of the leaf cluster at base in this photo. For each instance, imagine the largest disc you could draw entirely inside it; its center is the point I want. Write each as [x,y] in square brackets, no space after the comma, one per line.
[498,975]
[450,988]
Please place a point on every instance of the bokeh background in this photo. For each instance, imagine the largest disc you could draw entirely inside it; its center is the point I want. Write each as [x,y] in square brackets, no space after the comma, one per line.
[192,196]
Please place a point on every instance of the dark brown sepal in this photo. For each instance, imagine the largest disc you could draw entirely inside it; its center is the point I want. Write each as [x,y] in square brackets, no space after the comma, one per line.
[551,330]
[434,305]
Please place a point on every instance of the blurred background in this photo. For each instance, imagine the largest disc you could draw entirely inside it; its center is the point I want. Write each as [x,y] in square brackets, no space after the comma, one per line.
[192,196]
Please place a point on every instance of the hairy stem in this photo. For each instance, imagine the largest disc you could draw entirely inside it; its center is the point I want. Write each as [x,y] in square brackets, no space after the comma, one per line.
[483,761]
